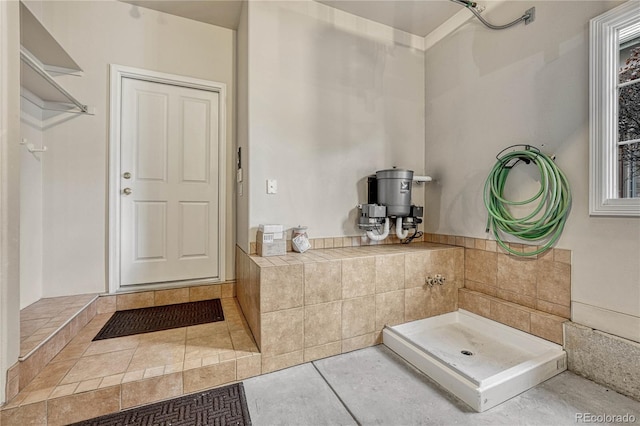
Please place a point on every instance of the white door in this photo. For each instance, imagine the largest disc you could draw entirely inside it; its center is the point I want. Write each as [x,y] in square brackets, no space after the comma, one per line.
[169,183]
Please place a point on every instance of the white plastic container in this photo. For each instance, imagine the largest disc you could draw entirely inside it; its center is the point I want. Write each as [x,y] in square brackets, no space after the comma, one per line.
[300,240]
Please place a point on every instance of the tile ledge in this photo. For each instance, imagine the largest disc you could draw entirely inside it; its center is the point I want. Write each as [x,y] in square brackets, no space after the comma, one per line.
[513,305]
[23,358]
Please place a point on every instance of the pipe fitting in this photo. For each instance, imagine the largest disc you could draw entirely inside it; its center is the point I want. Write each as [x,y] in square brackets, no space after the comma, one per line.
[380,237]
[429,281]
[401,233]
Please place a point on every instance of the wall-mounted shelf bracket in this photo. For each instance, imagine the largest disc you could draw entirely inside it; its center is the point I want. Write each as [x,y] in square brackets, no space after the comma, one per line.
[42,57]
[31,147]
[43,90]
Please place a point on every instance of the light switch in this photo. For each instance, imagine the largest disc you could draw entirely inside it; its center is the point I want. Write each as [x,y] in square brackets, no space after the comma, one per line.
[272,186]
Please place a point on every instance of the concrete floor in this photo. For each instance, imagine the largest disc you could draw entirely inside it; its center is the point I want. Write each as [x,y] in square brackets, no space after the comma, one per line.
[375,386]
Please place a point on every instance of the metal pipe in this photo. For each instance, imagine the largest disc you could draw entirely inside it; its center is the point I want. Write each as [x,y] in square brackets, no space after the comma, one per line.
[524,17]
[527,18]
[465,3]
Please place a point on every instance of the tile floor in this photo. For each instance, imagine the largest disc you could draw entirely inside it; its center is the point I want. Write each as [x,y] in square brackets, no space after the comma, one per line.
[84,366]
[375,386]
[41,319]
[369,386]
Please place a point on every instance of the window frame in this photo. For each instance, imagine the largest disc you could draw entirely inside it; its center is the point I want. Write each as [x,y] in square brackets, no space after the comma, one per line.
[604,46]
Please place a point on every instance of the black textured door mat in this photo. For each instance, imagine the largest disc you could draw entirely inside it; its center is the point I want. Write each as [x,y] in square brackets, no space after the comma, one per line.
[157,318]
[222,406]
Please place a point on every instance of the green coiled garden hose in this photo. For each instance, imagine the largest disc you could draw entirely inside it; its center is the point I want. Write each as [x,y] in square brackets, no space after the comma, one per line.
[547,219]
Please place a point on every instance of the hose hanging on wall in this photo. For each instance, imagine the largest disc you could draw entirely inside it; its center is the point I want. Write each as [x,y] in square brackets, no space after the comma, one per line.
[547,219]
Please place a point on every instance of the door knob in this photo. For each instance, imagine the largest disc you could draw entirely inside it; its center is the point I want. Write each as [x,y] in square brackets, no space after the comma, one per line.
[126,175]
[127,191]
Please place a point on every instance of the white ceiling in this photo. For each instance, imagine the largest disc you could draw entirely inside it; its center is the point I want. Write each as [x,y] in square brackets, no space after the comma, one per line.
[223,13]
[418,17]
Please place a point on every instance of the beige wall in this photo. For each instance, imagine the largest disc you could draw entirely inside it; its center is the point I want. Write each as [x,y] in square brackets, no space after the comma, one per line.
[242,140]
[30,206]
[486,90]
[9,189]
[96,34]
[332,99]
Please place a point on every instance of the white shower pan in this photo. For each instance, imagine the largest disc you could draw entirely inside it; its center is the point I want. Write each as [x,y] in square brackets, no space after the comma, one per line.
[481,361]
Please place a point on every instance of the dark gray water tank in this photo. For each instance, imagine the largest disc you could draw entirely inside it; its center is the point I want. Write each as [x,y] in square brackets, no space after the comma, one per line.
[394,191]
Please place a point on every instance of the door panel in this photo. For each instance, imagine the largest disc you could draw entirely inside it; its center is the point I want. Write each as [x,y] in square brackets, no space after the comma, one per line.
[169,220]
[194,218]
[150,226]
[151,138]
[195,141]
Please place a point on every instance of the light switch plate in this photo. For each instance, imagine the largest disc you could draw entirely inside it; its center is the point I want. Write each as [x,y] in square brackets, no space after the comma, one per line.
[272,186]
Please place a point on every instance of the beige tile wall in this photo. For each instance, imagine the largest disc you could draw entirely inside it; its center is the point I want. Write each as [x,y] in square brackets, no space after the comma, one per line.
[341,242]
[529,293]
[146,299]
[542,282]
[303,307]
[532,294]
[529,320]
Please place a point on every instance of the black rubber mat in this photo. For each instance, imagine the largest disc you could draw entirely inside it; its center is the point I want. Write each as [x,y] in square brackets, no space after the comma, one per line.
[156,318]
[222,406]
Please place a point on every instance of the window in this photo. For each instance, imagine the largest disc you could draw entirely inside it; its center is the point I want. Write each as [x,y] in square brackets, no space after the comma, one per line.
[615,112]
[629,115]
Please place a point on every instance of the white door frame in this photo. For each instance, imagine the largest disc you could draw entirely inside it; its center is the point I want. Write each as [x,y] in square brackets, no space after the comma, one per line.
[117,73]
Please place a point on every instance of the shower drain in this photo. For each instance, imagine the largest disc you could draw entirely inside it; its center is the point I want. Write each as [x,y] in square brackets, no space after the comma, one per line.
[466,352]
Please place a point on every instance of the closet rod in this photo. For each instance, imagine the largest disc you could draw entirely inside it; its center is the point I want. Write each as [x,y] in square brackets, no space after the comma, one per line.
[34,65]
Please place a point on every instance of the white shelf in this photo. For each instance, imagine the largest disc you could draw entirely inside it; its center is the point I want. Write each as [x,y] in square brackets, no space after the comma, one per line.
[41,55]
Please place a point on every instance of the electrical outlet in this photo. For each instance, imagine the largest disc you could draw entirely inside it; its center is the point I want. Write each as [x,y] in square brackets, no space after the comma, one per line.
[272,186]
